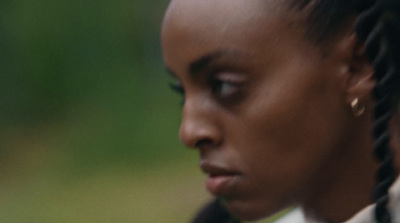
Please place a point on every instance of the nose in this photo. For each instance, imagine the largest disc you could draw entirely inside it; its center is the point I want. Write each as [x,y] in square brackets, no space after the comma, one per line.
[199,126]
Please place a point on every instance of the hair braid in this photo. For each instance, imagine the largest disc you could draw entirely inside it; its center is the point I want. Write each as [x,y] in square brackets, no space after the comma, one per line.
[378,27]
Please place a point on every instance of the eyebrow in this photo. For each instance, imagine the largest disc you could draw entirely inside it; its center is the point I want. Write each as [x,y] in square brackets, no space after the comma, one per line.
[203,62]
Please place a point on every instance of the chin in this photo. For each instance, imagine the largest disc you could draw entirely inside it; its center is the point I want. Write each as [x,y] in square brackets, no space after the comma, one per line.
[246,211]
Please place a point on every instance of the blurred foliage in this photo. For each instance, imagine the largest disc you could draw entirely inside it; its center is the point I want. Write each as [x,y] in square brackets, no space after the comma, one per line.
[92,71]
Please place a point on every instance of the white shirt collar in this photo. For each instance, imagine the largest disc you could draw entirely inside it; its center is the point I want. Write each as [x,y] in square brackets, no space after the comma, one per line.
[366,215]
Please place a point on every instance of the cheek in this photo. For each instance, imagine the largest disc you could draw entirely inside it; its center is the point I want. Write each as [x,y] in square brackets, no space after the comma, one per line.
[280,157]
[286,156]
[288,135]
[293,128]
[284,143]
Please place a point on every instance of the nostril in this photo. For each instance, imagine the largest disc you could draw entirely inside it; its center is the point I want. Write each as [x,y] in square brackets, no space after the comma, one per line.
[203,143]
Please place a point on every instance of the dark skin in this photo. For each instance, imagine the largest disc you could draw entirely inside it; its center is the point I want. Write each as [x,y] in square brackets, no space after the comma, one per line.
[272,107]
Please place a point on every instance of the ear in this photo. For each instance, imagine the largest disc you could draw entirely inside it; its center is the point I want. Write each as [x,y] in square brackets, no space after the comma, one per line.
[361,80]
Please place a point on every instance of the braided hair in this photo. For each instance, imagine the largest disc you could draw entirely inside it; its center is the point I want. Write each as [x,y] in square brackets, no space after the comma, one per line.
[378,27]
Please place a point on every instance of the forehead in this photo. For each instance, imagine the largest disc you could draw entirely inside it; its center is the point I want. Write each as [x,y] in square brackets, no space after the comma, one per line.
[218,15]
[242,10]
[244,25]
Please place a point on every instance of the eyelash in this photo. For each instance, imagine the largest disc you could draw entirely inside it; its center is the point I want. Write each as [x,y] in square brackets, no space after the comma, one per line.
[178,88]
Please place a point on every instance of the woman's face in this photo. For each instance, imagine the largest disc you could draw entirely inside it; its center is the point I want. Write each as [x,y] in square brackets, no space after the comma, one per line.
[264,108]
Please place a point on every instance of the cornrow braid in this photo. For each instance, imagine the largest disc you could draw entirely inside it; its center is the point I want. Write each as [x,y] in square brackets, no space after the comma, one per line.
[379,28]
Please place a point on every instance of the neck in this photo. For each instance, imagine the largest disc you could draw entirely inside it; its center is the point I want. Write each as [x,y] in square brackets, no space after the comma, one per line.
[346,185]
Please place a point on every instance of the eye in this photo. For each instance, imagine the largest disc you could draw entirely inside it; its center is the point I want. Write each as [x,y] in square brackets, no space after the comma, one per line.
[226,84]
[224,88]
[178,88]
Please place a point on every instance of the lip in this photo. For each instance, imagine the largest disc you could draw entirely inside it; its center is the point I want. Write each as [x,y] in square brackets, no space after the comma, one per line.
[221,179]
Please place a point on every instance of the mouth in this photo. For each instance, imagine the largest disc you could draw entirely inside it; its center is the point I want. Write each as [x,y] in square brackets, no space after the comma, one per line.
[221,180]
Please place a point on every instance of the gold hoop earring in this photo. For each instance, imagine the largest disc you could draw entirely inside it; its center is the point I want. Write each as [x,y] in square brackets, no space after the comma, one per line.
[357,108]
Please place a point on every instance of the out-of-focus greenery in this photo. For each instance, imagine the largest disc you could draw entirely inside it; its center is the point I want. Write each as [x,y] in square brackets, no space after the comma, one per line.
[88,126]
[94,69]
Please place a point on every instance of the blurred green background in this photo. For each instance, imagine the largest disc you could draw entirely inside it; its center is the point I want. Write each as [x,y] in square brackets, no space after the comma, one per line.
[88,126]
